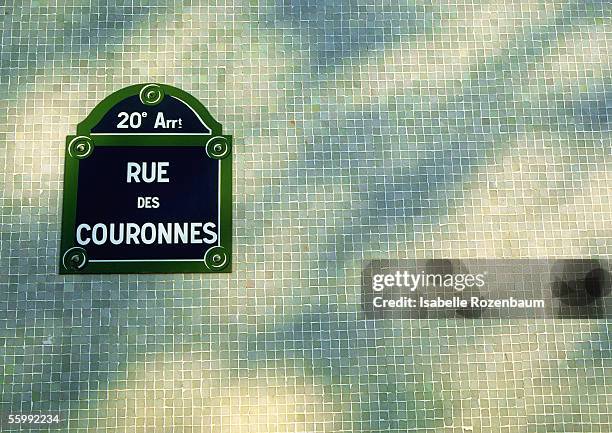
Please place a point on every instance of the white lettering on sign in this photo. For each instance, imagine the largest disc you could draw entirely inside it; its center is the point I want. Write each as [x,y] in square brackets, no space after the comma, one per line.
[147,233]
[132,120]
[79,234]
[99,234]
[162,122]
[149,172]
[148,202]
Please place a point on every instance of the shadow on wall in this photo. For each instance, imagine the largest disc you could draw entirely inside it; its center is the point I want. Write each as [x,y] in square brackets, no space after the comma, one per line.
[102,326]
[593,112]
[398,370]
[357,356]
[67,339]
[86,340]
[360,150]
[332,30]
[68,33]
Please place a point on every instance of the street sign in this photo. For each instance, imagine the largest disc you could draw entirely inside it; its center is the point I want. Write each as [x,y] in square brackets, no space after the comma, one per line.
[147,187]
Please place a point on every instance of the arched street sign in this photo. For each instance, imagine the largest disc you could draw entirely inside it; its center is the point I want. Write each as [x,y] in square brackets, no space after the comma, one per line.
[147,187]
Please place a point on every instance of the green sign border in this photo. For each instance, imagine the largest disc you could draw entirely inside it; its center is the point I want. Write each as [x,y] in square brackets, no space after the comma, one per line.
[73,259]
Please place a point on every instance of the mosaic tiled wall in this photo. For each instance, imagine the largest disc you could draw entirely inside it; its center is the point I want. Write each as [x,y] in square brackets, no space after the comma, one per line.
[361,129]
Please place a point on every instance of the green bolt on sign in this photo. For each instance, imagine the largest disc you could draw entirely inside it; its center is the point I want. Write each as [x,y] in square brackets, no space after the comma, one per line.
[147,187]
